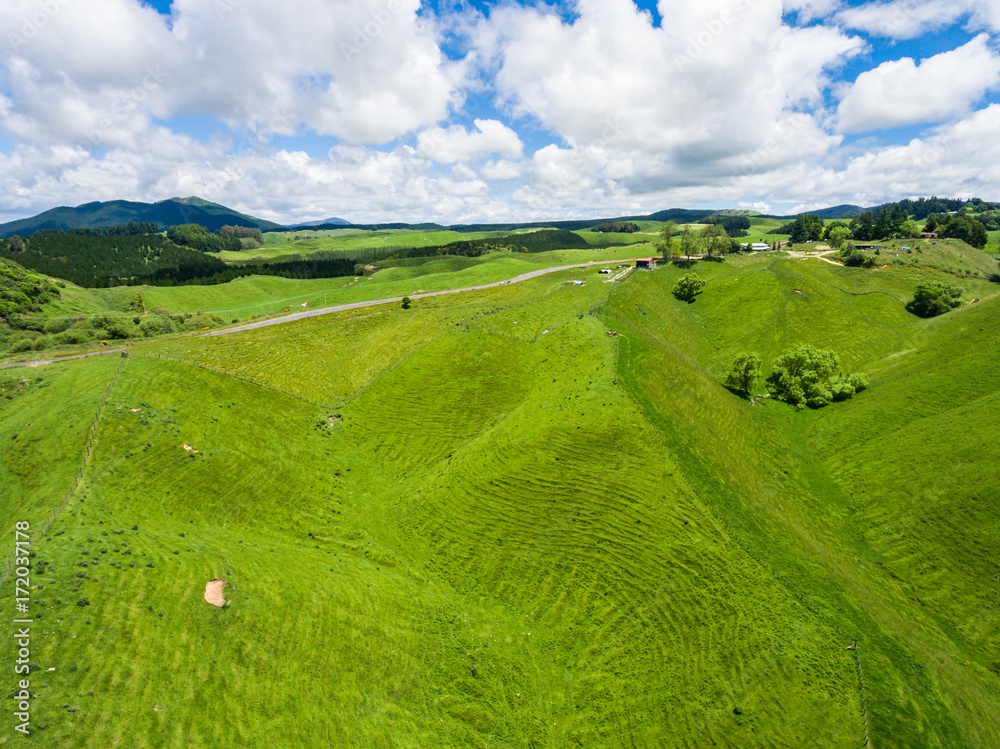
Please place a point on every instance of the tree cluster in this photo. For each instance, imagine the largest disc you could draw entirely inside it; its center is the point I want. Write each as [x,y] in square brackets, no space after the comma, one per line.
[536,241]
[735,226]
[934,298]
[922,208]
[884,223]
[808,227]
[805,375]
[131,229]
[242,232]
[197,237]
[98,262]
[959,226]
[617,227]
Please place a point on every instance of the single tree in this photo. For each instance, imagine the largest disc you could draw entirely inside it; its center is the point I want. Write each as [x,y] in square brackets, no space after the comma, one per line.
[688,287]
[407,302]
[689,241]
[715,239]
[667,232]
[15,244]
[910,229]
[743,374]
[838,235]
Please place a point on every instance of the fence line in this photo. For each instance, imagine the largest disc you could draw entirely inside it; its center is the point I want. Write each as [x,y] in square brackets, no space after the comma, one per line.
[78,479]
[864,698]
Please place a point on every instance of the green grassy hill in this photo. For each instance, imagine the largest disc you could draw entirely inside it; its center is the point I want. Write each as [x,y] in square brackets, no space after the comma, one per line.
[483,522]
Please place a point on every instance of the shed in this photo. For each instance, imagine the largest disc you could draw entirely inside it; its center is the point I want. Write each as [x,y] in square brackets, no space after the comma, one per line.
[648,263]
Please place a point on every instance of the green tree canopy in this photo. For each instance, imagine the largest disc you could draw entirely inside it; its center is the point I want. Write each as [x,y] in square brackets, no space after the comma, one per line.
[838,235]
[965,228]
[808,226]
[805,375]
[715,238]
[743,373]
[688,287]
[934,298]
[689,241]
[667,232]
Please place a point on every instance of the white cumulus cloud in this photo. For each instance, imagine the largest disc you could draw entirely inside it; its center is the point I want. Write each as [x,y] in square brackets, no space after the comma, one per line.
[454,144]
[902,92]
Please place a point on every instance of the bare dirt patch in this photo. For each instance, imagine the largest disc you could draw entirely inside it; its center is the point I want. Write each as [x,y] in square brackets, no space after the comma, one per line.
[214,594]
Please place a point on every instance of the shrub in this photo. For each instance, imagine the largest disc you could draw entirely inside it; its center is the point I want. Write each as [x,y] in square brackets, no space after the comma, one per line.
[21,345]
[151,326]
[41,343]
[74,337]
[117,331]
[56,325]
[858,259]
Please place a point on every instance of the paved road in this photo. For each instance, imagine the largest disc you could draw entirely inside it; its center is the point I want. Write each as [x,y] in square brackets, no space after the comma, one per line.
[36,362]
[375,302]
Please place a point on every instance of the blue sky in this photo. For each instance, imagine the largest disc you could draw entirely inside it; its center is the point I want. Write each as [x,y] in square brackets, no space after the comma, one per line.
[473,110]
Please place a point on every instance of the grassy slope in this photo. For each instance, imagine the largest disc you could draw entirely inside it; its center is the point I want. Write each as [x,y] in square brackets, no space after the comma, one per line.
[258,295]
[46,415]
[801,484]
[489,542]
[447,565]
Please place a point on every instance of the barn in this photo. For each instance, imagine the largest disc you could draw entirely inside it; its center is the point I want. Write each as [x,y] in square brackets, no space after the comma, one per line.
[649,263]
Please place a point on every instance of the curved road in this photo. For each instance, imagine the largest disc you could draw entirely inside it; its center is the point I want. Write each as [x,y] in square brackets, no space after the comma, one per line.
[376,302]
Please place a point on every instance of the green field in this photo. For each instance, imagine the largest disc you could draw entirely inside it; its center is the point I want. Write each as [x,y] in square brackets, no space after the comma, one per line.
[305,242]
[484,522]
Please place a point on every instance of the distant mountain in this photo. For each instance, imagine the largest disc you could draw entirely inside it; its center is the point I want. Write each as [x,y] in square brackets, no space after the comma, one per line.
[841,211]
[325,222]
[165,213]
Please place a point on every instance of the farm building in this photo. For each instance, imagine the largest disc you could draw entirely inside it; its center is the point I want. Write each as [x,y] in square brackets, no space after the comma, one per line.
[929,235]
[756,246]
[648,263]
[867,247]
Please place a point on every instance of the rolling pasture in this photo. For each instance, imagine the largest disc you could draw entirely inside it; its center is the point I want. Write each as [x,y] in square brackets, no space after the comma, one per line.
[484,522]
